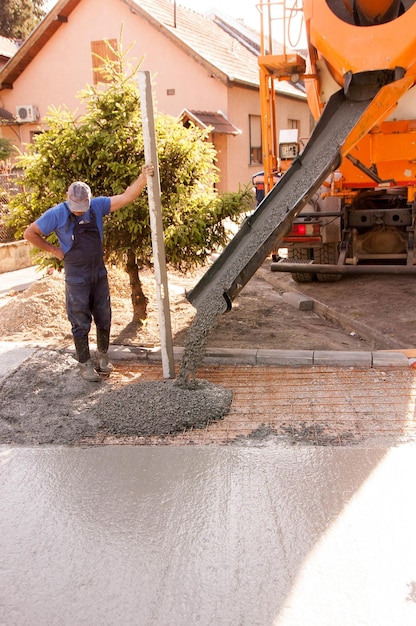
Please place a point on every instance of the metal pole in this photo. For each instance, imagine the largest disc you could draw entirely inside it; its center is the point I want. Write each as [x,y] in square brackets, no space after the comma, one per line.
[156,225]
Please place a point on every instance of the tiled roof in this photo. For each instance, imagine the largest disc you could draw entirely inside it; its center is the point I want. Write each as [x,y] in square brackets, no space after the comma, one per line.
[206,38]
[209,41]
[217,120]
[199,36]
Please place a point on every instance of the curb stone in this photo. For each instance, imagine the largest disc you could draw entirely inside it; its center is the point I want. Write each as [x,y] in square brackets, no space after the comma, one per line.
[13,355]
[283,358]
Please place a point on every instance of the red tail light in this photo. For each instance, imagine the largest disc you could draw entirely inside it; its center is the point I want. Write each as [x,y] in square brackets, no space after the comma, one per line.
[304,231]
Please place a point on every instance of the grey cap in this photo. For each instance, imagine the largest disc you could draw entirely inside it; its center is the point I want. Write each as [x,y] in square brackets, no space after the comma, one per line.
[79,197]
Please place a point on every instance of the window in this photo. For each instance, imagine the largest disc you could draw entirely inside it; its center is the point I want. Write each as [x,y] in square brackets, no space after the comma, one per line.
[293,124]
[100,51]
[33,134]
[255,139]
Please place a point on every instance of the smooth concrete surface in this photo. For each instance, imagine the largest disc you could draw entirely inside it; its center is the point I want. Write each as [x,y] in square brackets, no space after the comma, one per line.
[18,280]
[247,536]
[12,355]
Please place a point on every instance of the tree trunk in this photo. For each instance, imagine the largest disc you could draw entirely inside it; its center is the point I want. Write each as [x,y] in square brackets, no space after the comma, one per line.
[138,298]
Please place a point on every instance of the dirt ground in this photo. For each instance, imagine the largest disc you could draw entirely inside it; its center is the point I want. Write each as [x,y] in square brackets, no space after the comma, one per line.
[347,315]
[45,401]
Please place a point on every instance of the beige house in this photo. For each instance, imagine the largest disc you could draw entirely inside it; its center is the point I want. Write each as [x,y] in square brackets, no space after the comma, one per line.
[202,72]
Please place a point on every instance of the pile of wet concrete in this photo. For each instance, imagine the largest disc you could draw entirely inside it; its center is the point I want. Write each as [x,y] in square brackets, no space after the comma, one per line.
[45,401]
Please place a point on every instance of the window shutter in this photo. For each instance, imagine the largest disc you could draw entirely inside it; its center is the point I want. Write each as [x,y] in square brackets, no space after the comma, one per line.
[101,50]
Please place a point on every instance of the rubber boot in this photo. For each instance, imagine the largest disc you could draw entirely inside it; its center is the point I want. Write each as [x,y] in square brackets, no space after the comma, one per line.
[88,372]
[103,342]
[85,365]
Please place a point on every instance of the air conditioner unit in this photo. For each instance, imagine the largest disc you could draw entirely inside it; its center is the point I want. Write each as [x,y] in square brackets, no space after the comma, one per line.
[27,113]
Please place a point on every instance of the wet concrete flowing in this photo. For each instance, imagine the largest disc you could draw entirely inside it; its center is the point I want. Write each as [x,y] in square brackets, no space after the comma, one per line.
[204,323]
[273,217]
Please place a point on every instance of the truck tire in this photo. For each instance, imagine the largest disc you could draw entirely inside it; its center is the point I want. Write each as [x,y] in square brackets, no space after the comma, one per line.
[327,254]
[301,255]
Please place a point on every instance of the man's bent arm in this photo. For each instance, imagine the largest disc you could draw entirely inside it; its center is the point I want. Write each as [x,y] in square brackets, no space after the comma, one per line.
[34,235]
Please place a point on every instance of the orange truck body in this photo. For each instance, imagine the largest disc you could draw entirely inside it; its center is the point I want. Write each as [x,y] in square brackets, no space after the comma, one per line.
[338,48]
[350,44]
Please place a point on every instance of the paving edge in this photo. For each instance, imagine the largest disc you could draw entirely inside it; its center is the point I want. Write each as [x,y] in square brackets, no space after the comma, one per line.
[241,356]
[283,358]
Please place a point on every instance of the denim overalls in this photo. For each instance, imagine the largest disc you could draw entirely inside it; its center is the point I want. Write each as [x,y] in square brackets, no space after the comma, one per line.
[87,290]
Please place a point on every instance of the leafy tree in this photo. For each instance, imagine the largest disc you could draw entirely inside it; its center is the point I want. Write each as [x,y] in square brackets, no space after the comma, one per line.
[6,149]
[104,147]
[19,17]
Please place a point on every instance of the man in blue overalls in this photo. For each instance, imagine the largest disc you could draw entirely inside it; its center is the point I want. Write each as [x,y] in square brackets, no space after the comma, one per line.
[78,224]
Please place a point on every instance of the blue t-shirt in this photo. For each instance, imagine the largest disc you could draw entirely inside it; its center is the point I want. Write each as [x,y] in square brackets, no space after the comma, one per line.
[58,220]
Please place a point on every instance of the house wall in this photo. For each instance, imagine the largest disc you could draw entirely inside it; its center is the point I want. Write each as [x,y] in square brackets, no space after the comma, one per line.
[64,67]
[242,103]
[293,109]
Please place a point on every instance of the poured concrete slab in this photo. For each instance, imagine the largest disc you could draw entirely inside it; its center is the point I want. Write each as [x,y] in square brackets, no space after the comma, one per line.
[19,280]
[12,355]
[252,535]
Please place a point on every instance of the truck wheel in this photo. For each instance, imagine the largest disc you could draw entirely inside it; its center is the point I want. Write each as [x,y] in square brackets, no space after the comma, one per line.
[327,255]
[301,255]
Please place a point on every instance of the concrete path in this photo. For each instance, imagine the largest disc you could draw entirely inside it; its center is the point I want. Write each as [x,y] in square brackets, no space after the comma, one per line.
[18,280]
[254,536]
[12,355]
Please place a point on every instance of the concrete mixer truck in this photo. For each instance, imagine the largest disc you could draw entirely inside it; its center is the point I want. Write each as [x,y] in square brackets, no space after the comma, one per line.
[347,202]
[362,219]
